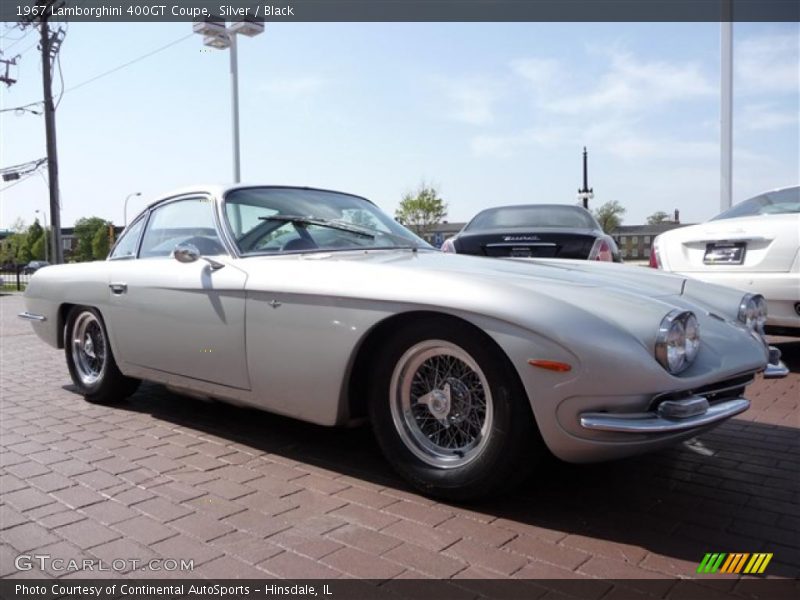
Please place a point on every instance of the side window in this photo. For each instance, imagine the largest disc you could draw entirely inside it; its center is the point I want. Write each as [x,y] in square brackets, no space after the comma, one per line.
[126,246]
[188,221]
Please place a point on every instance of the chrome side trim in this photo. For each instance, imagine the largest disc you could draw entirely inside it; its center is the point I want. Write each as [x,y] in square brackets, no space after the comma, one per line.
[651,422]
[29,316]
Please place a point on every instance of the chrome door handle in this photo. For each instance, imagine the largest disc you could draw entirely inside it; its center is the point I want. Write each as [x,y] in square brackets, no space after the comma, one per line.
[118,288]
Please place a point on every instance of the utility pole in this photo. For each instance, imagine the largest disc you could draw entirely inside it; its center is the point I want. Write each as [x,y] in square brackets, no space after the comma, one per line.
[586,193]
[48,52]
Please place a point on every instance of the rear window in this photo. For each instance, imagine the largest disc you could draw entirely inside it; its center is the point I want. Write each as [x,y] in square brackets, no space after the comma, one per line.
[545,215]
[784,201]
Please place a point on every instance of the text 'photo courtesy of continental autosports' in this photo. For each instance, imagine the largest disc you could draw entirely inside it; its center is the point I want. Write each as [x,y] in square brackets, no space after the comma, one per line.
[316,305]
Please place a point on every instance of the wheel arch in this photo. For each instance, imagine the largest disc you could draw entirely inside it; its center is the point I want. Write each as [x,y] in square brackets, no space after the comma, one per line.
[356,381]
[61,320]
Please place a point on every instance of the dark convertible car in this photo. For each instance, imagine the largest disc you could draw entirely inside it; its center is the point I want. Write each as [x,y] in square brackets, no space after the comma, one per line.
[535,231]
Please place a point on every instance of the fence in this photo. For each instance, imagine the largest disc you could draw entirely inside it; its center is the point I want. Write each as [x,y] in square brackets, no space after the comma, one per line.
[14,279]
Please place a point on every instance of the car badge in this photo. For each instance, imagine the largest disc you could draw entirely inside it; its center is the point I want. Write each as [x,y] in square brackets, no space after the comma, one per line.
[521,238]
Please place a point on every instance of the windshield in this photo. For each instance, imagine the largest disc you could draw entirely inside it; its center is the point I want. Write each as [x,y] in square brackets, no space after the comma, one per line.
[537,215]
[267,220]
[771,203]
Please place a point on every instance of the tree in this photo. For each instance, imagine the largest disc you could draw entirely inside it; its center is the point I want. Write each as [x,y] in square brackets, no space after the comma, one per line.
[658,217]
[101,243]
[23,250]
[37,249]
[85,231]
[609,215]
[11,247]
[421,210]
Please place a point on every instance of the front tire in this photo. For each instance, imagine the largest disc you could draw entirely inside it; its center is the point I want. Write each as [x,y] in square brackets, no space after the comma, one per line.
[450,413]
[90,360]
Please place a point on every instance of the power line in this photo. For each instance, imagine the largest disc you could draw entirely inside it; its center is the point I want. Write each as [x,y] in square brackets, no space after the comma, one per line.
[17,182]
[129,63]
[24,108]
[17,41]
[23,166]
[106,73]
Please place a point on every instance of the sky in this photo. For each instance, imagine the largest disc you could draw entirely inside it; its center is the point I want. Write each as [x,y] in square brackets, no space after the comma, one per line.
[490,114]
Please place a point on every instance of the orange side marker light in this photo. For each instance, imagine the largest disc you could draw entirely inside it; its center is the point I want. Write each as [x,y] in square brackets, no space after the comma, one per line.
[550,365]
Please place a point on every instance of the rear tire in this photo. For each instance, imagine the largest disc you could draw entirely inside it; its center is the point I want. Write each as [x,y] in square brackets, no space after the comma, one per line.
[90,359]
[449,412]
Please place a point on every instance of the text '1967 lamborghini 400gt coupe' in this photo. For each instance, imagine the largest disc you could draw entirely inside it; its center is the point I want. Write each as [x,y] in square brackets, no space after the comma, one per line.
[316,305]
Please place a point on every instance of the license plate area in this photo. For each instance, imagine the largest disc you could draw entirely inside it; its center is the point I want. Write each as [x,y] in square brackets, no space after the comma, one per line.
[725,253]
[520,252]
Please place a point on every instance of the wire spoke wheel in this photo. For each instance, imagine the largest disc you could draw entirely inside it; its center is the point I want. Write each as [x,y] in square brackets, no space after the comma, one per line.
[89,348]
[441,404]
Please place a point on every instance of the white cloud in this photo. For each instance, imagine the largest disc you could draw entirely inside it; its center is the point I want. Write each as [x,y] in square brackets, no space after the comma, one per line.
[634,85]
[768,116]
[294,88]
[768,64]
[471,100]
[538,71]
[638,147]
[505,145]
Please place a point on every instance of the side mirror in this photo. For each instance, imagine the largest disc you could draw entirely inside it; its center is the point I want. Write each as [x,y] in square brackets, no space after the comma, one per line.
[186,253]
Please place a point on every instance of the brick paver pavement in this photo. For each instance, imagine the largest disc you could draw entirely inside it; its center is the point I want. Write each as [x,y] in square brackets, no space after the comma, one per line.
[248,494]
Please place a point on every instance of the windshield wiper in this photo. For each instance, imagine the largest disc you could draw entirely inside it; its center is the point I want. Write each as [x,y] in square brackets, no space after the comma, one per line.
[406,242]
[300,220]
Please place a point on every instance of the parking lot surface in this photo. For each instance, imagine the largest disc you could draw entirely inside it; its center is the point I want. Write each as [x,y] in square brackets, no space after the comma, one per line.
[248,494]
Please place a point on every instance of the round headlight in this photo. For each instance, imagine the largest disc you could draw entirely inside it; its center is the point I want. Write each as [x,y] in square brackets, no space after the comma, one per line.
[753,312]
[678,341]
[692,339]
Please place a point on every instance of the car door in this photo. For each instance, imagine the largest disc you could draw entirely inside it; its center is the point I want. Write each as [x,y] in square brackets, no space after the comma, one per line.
[181,318]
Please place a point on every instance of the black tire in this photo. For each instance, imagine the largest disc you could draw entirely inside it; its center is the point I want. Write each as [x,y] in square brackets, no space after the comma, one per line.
[91,362]
[499,459]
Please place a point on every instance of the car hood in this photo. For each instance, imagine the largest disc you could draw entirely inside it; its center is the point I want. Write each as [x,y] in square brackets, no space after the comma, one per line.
[536,275]
[607,308]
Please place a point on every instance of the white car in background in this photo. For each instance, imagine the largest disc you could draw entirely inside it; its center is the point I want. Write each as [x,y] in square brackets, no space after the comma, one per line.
[753,246]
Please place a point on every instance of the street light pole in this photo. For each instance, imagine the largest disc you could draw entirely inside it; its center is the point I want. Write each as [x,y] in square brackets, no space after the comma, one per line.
[125,209]
[217,35]
[44,216]
[237,169]
[726,113]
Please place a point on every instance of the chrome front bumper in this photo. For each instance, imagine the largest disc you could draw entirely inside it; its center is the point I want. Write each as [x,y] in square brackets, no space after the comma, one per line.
[672,416]
[775,368]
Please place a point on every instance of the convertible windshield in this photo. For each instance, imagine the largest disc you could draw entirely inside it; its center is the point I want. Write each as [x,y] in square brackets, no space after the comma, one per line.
[778,202]
[267,220]
[533,215]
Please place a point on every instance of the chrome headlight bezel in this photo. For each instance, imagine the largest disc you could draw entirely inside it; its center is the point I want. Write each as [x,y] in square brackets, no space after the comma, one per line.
[678,341]
[753,313]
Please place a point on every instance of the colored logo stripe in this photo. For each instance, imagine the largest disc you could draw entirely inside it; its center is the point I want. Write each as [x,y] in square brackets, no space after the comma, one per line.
[711,562]
[758,563]
[733,563]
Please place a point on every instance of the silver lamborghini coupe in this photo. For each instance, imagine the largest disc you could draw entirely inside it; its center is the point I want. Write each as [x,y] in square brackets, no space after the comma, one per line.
[316,305]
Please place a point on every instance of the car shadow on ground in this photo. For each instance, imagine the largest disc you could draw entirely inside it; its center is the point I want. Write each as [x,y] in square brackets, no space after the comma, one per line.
[732,489]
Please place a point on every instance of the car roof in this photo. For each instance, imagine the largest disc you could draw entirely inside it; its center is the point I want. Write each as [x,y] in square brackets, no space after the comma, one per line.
[218,190]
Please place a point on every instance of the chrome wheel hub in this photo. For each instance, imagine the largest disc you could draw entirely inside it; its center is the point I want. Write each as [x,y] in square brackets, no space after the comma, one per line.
[441,404]
[88,348]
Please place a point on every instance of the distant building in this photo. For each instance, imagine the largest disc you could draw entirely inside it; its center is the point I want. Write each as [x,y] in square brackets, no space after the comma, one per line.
[634,241]
[441,231]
